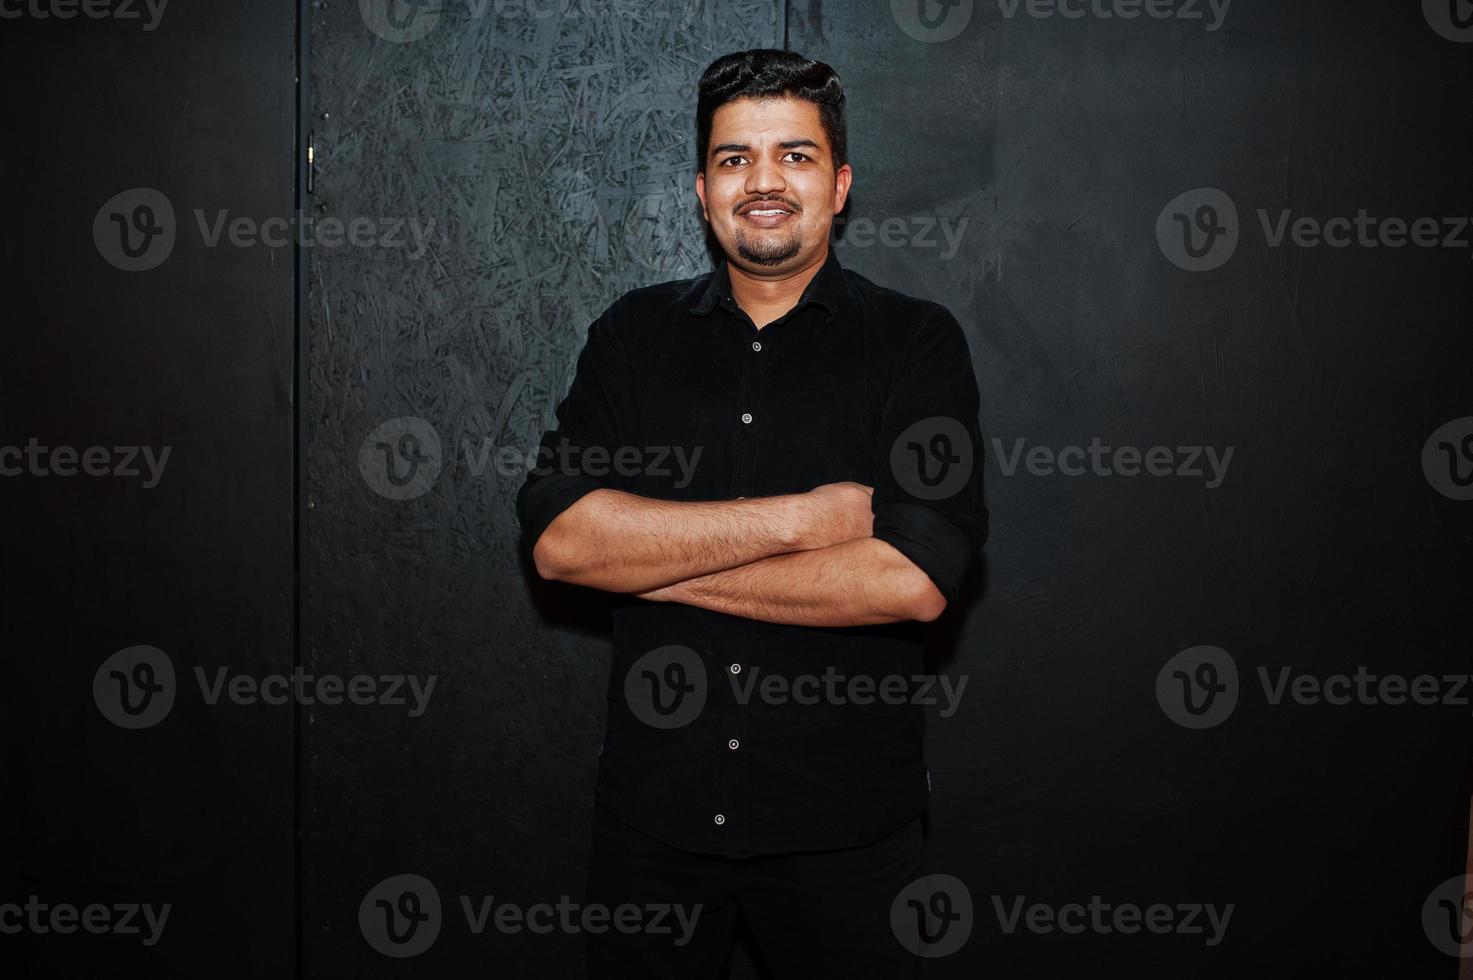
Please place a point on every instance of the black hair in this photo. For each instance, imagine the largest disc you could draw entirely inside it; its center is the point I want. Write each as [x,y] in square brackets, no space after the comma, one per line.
[772,73]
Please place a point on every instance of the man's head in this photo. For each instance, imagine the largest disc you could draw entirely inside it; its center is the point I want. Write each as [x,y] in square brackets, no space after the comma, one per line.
[772,149]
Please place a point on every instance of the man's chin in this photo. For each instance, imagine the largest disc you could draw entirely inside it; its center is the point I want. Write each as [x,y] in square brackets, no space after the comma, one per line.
[768,255]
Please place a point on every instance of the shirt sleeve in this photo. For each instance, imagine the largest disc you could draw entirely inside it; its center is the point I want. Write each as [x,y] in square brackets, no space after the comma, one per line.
[928,478]
[575,456]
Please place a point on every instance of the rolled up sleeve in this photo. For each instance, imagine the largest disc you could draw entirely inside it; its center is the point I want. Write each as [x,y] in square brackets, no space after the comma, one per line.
[928,501]
[573,456]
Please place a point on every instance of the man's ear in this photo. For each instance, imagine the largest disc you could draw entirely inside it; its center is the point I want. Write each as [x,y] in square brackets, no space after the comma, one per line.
[843,179]
[701,193]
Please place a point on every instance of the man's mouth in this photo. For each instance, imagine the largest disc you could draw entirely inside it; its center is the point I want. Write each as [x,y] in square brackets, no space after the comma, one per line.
[766,214]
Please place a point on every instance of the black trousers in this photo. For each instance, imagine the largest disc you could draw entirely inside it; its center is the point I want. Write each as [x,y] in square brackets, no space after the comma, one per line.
[811,914]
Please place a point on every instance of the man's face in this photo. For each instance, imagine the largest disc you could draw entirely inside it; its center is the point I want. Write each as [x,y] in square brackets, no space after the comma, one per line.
[769,189]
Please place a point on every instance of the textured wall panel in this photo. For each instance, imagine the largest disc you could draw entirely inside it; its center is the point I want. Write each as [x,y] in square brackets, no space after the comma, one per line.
[552,152]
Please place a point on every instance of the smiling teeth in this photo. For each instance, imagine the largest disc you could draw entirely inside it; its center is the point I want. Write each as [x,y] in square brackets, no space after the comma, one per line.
[768,211]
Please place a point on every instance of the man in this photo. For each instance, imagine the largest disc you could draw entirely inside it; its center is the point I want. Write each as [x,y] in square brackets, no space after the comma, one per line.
[763,757]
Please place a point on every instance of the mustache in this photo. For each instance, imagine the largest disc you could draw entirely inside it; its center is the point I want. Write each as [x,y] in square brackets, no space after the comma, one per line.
[758,202]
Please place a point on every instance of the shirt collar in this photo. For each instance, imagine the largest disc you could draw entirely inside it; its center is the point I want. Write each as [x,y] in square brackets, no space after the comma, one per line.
[825,288]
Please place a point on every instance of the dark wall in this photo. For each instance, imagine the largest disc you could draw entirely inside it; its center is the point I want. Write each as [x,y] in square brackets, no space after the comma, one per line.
[553,154]
[501,172]
[1323,549]
[193,558]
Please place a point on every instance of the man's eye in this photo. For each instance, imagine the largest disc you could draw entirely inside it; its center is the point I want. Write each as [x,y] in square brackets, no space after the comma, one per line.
[730,159]
[800,156]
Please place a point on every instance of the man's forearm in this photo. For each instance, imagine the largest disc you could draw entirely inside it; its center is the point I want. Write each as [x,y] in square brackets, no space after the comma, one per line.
[622,542]
[857,583]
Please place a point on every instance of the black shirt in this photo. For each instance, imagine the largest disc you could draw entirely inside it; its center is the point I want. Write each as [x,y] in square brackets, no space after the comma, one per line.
[728,735]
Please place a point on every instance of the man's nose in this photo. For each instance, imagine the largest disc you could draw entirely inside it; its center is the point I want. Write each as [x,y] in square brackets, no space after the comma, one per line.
[765,177]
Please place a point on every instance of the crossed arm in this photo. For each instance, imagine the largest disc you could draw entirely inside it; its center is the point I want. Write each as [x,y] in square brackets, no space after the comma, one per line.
[806,559]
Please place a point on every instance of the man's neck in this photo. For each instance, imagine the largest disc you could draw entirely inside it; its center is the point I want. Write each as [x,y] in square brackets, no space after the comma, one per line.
[764,300]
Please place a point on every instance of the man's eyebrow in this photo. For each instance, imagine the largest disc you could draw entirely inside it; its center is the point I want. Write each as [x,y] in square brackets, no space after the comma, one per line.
[744,148]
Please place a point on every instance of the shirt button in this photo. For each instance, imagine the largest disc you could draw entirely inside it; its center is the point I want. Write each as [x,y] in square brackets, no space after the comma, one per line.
[736,668]
[746,416]
[720,819]
[756,345]
[735,744]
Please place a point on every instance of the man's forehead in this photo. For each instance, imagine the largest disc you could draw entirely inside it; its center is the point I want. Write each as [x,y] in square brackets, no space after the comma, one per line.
[768,115]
